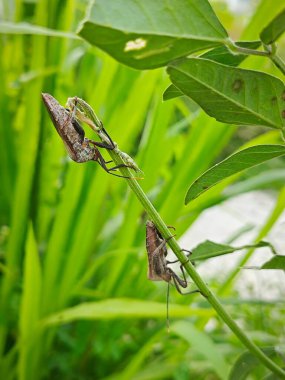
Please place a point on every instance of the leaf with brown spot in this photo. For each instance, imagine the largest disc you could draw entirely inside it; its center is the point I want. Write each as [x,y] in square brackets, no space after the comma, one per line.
[230,94]
[237,85]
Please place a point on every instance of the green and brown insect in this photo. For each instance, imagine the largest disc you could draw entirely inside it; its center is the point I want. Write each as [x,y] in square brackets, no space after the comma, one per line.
[80,149]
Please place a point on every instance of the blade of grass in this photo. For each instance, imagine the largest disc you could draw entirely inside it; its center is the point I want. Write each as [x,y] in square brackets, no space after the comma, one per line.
[25,178]
[30,310]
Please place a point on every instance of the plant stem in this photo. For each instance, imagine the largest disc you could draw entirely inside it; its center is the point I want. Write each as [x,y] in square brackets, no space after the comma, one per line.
[242,50]
[278,62]
[270,52]
[201,285]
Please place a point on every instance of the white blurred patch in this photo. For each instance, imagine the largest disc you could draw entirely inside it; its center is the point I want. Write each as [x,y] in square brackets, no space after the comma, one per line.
[239,6]
[219,223]
[137,44]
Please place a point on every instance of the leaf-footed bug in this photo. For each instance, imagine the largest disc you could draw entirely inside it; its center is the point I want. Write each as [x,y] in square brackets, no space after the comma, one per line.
[73,136]
[83,112]
[157,252]
[157,263]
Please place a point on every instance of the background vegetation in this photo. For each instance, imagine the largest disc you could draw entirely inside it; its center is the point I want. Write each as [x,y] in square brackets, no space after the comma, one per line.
[75,300]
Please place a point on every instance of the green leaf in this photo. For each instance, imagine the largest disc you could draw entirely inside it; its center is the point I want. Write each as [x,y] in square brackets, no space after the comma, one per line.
[235,163]
[219,54]
[272,376]
[266,179]
[274,29]
[209,249]
[248,362]
[32,282]
[121,308]
[202,343]
[148,34]
[277,262]
[223,55]
[261,17]
[7,27]
[172,92]
[230,94]
[30,306]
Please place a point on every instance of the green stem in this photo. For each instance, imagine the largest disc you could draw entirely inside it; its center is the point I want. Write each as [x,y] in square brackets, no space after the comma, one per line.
[201,285]
[270,52]
[278,62]
[242,50]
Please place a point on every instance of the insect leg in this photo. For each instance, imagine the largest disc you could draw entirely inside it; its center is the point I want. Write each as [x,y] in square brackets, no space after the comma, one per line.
[107,134]
[119,166]
[177,279]
[99,158]
[101,144]
[176,261]
[182,265]
[179,282]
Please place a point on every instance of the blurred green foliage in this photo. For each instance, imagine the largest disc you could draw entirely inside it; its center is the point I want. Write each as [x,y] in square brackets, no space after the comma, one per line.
[71,235]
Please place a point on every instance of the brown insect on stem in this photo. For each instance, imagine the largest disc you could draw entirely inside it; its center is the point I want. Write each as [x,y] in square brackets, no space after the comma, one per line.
[80,149]
[157,252]
[158,269]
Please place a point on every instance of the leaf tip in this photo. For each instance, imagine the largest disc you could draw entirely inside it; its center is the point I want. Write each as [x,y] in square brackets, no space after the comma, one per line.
[187,200]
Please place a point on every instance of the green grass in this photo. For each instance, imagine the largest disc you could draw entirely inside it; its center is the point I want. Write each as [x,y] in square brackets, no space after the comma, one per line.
[73,236]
